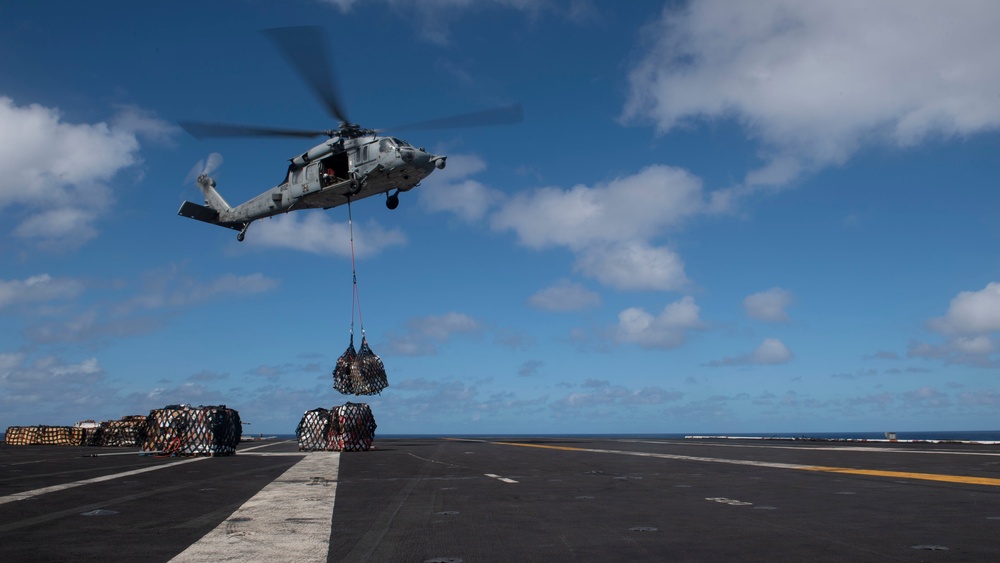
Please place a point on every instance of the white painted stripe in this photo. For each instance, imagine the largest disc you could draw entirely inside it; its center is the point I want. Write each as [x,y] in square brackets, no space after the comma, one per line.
[55,488]
[288,520]
[499,478]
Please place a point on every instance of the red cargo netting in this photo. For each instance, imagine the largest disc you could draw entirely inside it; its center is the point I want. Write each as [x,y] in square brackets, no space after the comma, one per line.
[356,427]
[187,430]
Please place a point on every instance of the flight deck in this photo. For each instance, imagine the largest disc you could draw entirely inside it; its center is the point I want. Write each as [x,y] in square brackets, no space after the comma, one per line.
[506,499]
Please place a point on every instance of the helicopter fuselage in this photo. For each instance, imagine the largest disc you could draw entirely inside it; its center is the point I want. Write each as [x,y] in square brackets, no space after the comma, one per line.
[328,175]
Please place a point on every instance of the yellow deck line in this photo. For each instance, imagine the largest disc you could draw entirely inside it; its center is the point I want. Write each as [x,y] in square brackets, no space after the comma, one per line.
[967,480]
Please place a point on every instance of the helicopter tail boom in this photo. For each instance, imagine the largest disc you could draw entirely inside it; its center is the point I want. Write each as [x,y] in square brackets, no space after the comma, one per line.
[212,198]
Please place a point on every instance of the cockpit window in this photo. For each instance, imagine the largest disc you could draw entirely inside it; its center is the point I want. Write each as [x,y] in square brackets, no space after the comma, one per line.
[400,142]
[386,145]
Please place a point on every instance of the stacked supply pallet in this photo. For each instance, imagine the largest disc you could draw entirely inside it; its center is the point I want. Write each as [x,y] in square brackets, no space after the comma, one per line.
[129,432]
[356,427]
[348,428]
[316,430]
[187,430]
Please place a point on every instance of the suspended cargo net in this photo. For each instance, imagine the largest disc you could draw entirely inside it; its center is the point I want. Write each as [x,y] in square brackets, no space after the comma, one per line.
[129,432]
[187,430]
[316,431]
[358,372]
[356,427]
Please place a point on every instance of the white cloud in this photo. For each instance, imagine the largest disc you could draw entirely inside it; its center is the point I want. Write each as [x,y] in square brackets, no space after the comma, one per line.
[58,171]
[814,81]
[423,334]
[667,330]
[451,189]
[633,265]
[609,226]
[314,232]
[38,288]
[769,305]
[972,312]
[968,329]
[771,351]
[565,295]
[628,208]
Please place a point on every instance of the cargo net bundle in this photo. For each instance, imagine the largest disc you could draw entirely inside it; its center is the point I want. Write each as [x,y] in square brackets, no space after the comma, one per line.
[129,432]
[45,436]
[347,428]
[358,372]
[186,430]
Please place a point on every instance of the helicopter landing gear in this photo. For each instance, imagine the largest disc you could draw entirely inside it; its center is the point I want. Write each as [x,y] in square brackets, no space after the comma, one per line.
[243,233]
[392,201]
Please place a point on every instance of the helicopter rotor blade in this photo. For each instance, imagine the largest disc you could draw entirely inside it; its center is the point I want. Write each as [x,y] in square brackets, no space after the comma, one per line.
[205,166]
[200,130]
[502,115]
[305,48]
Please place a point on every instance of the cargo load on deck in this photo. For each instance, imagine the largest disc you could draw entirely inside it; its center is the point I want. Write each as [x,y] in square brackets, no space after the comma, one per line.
[129,432]
[187,430]
[348,428]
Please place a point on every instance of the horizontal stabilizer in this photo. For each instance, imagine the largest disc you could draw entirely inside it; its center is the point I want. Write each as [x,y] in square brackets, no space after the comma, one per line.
[205,214]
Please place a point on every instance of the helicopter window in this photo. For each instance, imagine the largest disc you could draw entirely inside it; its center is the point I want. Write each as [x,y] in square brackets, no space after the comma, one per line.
[386,145]
[400,142]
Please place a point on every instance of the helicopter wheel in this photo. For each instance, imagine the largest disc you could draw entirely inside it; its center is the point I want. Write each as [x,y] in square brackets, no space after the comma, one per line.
[241,236]
[392,201]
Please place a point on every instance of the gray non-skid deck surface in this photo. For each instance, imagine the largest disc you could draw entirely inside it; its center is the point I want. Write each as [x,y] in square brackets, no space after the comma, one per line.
[424,500]
[542,500]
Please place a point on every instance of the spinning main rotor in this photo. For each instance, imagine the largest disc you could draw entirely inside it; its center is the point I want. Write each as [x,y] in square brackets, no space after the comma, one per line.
[305,48]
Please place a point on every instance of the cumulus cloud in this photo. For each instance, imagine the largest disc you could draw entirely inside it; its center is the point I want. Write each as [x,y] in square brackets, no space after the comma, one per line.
[58,172]
[609,226]
[314,232]
[969,330]
[40,288]
[423,335]
[564,295]
[633,265]
[608,395]
[667,330]
[628,208]
[770,352]
[769,305]
[814,82]
[50,390]
[972,312]
[452,190]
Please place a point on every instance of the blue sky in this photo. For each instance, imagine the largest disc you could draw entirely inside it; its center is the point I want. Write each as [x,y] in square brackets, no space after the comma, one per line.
[715,217]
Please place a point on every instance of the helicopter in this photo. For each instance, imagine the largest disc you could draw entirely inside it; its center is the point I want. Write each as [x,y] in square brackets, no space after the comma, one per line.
[353,163]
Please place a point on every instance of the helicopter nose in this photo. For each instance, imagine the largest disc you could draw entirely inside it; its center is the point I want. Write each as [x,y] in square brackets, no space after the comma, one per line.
[406,155]
[439,161]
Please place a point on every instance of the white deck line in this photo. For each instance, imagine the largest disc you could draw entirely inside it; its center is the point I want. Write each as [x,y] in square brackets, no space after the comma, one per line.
[288,520]
[24,495]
